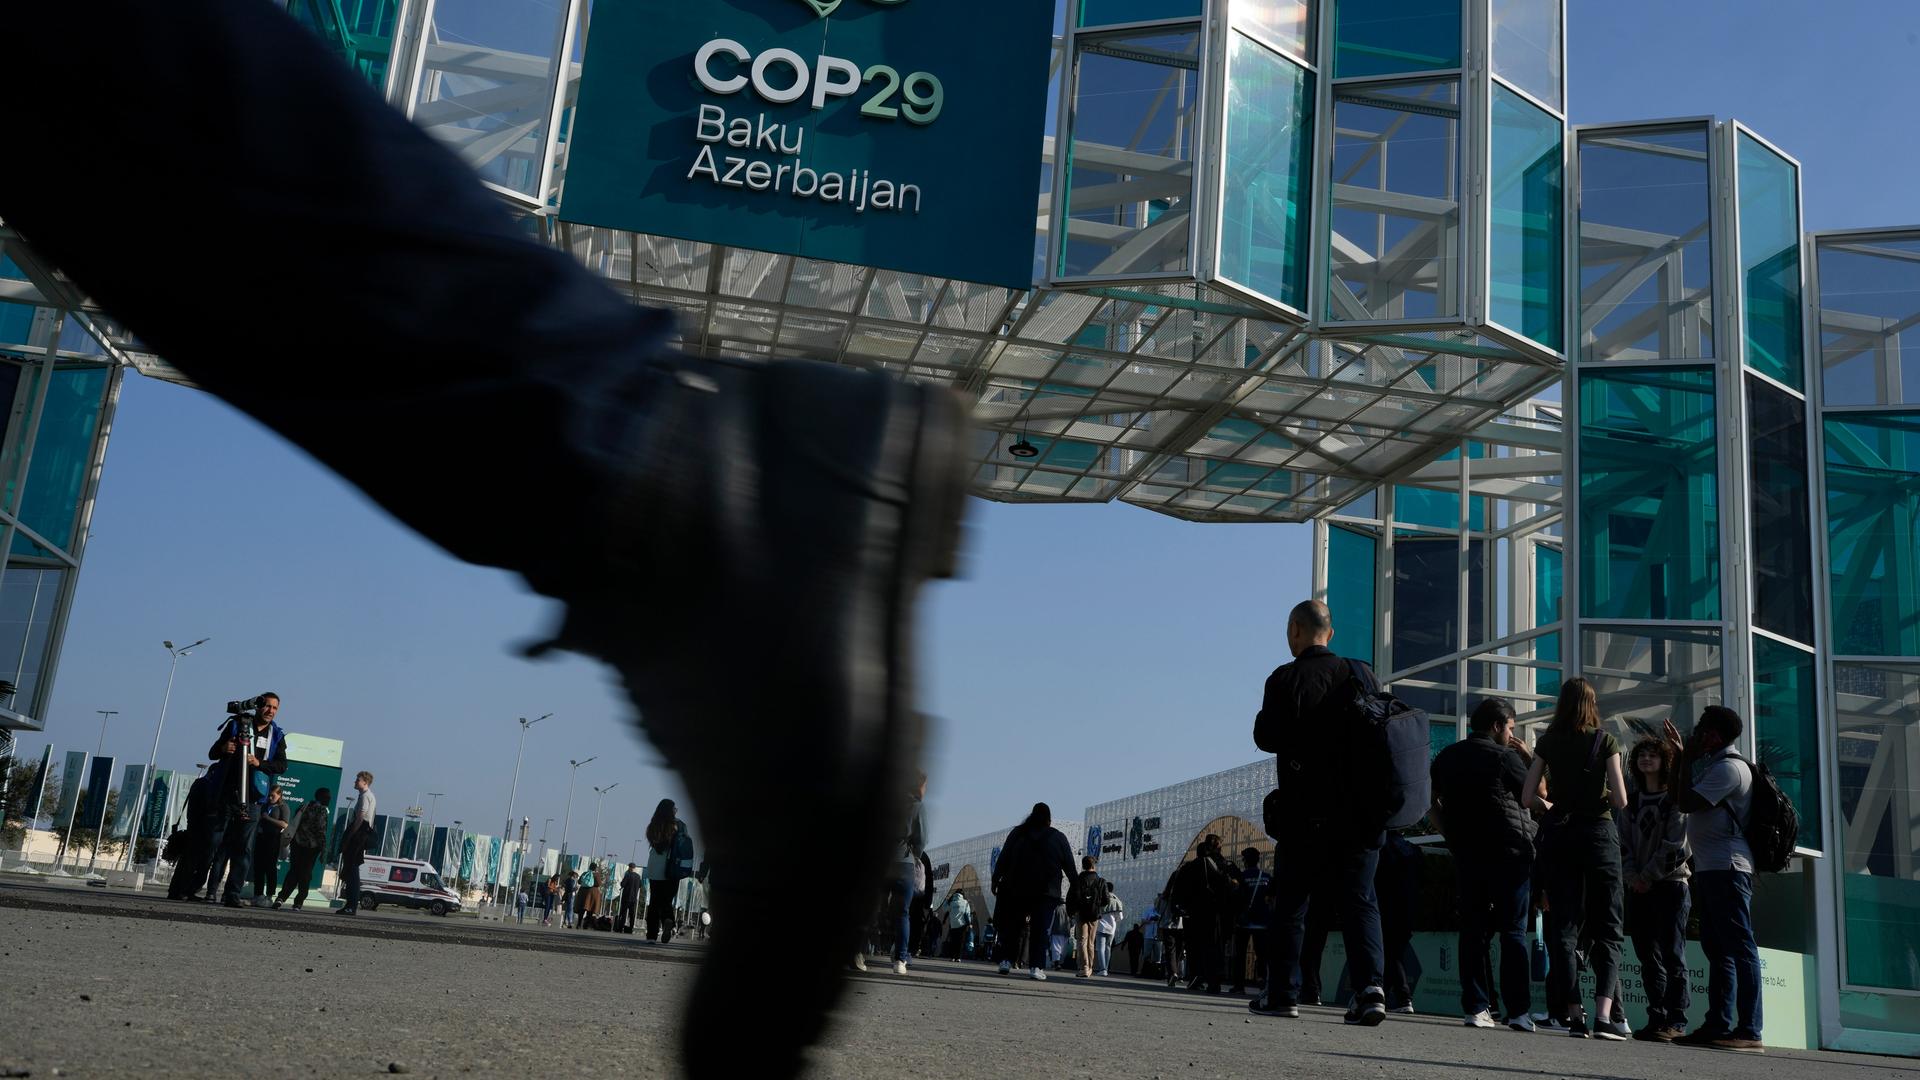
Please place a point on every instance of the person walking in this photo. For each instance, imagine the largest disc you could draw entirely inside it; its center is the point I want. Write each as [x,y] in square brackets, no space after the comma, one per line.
[907,885]
[632,888]
[1035,863]
[549,896]
[669,859]
[353,843]
[1133,943]
[568,885]
[1714,786]
[1585,785]
[1111,915]
[308,841]
[1250,924]
[1327,853]
[1479,787]
[1653,863]
[1206,889]
[959,915]
[267,839]
[520,906]
[590,896]
[1086,901]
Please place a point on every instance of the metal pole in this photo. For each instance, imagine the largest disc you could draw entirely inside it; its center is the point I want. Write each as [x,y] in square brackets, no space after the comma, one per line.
[431,807]
[105,715]
[153,755]
[566,820]
[514,791]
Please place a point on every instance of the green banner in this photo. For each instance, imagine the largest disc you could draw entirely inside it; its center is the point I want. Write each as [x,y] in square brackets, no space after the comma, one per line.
[312,763]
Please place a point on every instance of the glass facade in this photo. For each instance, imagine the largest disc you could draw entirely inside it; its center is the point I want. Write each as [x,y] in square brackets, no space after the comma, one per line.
[29,599]
[1873,532]
[1395,37]
[1527,46]
[1117,12]
[486,88]
[1650,536]
[1778,511]
[1352,573]
[1286,23]
[1770,261]
[1786,723]
[1395,238]
[1130,164]
[1870,319]
[360,32]
[1646,244]
[1645,676]
[62,457]
[1879,797]
[1549,587]
[1527,252]
[1265,211]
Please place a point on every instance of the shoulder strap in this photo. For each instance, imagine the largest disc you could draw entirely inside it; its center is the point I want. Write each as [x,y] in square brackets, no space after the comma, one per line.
[1362,674]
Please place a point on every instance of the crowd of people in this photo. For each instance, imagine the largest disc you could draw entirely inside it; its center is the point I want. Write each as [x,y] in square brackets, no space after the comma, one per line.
[1572,835]
[668,889]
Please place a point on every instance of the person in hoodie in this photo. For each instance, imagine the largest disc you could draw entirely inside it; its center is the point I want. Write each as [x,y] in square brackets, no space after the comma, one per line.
[1653,864]
[1029,879]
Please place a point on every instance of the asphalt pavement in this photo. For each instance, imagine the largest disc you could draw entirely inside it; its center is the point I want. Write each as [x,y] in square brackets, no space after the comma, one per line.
[96,983]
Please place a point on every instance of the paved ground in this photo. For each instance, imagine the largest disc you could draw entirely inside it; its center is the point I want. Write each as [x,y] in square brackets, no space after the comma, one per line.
[101,985]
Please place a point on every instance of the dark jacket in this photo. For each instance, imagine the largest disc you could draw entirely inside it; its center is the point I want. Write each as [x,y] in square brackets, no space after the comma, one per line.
[225,774]
[1297,717]
[1033,862]
[630,883]
[1205,886]
[1478,786]
[1085,879]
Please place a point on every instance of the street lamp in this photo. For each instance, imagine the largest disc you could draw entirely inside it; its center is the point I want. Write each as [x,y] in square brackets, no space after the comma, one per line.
[514,791]
[431,807]
[146,781]
[101,826]
[600,800]
[566,820]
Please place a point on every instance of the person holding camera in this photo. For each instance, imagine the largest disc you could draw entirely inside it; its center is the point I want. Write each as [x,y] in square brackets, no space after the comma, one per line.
[250,752]
[353,843]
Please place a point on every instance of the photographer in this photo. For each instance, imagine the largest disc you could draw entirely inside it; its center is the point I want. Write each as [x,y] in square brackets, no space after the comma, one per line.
[249,753]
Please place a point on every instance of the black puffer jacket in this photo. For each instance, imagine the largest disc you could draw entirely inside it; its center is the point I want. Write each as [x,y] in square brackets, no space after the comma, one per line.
[1033,862]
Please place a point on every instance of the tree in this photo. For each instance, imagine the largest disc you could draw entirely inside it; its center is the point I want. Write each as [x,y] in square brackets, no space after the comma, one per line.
[19,786]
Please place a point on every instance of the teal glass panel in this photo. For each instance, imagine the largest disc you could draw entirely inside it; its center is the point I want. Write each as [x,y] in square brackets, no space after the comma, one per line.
[1786,721]
[1878,722]
[1873,525]
[1549,581]
[62,456]
[1870,319]
[1394,245]
[1649,498]
[1527,256]
[1770,261]
[1439,509]
[1527,46]
[28,599]
[1646,244]
[10,269]
[359,32]
[16,323]
[1395,37]
[1645,676]
[1352,576]
[1782,529]
[1116,12]
[1266,212]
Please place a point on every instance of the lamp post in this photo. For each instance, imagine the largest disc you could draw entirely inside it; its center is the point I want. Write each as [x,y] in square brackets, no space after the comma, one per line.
[94,857]
[431,807]
[153,755]
[566,819]
[600,799]
[514,790]
[544,826]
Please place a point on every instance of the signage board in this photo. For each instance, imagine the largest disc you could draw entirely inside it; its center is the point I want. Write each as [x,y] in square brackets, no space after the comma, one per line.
[313,763]
[93,811]
[903,134]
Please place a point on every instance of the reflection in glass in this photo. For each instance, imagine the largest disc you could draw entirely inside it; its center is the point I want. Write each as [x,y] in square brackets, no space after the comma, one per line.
[1395,237]
[27,601]
[486,88]
[1873,527]
[1782,525]
[1286,23]
[1130,169]
[1770,260]
[1526,46]
[1878,748]
[62,457]
[1649,506]
[1646,250]
[1426,602]
[1269,157]
[1786,725]
[1395,37]
[359,32]
[1870,320]
[1117,12]
[1351,576]
[1644,677]
[1526,257]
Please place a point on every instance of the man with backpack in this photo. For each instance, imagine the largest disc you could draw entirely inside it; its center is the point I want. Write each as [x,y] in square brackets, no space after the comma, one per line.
[1737,823]
[1085,902]
[1341,785]
[1205,888]
[309,840]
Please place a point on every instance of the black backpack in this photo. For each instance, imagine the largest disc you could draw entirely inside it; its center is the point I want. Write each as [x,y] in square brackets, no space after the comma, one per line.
[1772,828]
[1089,898]
[1392,785]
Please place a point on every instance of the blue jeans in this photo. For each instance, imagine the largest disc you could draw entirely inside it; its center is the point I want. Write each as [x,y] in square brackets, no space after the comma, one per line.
[1102,951]
[1328,870]
[1657,921]
[1725,899]
[903,941]
[1493,896]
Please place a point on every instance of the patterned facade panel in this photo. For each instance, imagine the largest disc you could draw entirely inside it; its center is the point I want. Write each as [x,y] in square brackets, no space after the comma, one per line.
[1142,838]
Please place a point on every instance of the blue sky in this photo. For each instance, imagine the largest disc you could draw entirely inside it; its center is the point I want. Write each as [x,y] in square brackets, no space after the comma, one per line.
[1094,651]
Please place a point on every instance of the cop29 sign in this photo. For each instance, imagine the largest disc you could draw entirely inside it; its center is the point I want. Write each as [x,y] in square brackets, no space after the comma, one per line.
[896,133]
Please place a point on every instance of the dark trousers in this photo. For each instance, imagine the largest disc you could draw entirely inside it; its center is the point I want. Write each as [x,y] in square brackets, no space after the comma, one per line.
[1133,959]
[629,904]
[299,872]
[1396,942]
[1493,906]
[1247,939]
[1584,893]
[1025,923]
[233,855]
[660,910]
[1322,868]
[350,881]
[956,944]
[1657,921]
[1321,918]
[1733,958]
[266,864]
[190,873]
[1205,951]
[407,265]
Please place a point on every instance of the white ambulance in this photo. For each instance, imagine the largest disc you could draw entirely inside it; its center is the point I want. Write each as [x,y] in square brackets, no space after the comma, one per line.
[405,883]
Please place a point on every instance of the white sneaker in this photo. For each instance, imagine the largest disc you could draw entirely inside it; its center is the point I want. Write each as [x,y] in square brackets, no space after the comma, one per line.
[1403,1010]
[1522,1023]
[1006,967]
[899,967]
[1037,975]
[1481,1019]
[859,962]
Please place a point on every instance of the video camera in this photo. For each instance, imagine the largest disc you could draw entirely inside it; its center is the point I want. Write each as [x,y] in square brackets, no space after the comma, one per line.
[245,707]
